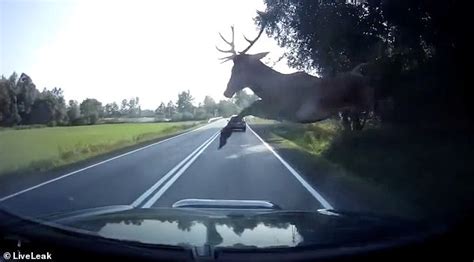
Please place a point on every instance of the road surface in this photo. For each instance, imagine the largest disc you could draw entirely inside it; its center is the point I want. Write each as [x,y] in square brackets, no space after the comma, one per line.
[189,165]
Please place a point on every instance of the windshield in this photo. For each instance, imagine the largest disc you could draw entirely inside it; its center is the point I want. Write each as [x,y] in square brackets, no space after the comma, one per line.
[327,109]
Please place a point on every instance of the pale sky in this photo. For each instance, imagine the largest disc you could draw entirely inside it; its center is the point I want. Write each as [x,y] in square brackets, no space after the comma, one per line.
[112,50]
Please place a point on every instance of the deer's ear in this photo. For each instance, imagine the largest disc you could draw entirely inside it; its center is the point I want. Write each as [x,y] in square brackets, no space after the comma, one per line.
[259,55]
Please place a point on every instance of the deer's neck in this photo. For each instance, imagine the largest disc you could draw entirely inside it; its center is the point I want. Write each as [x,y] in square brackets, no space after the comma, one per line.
[264,81]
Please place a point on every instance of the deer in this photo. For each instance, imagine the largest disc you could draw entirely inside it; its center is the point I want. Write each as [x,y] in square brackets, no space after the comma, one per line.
[296,97]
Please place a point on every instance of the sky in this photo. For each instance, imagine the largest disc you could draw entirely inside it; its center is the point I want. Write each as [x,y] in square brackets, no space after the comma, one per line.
[111,50]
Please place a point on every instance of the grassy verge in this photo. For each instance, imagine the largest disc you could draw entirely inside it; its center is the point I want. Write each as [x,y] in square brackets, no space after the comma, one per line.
[426,167]
[311,138]
[45,148]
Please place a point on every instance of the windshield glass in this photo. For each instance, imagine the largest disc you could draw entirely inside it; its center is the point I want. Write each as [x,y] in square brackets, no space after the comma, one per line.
[322,111]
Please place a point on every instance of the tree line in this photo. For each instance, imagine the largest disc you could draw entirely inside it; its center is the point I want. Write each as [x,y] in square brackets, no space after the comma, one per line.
[21,103]
[184,109]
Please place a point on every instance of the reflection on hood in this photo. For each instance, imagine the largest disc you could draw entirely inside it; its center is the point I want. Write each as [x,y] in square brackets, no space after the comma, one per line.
[198,233]
[261,230]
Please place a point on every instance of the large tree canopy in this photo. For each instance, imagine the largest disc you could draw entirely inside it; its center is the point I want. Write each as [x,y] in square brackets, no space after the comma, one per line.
[414,49]
[329,36]
[91,109]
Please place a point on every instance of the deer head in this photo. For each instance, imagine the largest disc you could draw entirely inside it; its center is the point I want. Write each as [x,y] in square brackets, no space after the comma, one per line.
[244,64]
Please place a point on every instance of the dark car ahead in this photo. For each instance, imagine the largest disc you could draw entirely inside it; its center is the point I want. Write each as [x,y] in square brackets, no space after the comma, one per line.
[236,123]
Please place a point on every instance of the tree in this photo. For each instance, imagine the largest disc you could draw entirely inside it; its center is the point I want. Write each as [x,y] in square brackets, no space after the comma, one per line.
[243,99]
[226,108]
[26,94]
[73,112]
[134,107]
[49,108]
[160,111]
[8,104]
[22,103]
[112,110]
[185,102]
[330,36]
[131,107]
[170,109]
[91,110]
[201,114]
[182,116]
[210,105]
[124,107]
[147,113]
[60,110]
[13,78]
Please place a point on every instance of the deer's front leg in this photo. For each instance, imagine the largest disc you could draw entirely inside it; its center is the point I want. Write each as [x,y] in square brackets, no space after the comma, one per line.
[257,108]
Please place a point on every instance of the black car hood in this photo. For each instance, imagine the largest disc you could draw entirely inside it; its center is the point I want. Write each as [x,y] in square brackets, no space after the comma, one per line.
[236,229]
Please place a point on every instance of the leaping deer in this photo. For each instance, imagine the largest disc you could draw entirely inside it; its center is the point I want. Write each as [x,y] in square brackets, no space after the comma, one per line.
[297,97]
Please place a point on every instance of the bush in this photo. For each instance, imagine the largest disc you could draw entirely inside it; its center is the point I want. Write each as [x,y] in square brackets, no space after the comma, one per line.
[188,116]
[177,117]
[28,126]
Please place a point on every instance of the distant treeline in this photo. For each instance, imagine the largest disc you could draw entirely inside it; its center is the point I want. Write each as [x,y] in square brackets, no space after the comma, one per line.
[21,103]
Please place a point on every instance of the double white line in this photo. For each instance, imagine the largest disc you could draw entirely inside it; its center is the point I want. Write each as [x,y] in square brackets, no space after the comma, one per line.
[150,196]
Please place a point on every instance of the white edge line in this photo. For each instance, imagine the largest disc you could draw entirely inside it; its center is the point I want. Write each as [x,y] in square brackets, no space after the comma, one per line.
[99,163]
[305,184]
[170,182]
[147,193]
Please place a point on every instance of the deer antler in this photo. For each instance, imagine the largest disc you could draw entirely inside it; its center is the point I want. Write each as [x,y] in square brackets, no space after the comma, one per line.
[251,42]
[232,47]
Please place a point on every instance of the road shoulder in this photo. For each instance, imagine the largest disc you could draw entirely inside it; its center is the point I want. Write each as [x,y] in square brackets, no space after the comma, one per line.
[344,191]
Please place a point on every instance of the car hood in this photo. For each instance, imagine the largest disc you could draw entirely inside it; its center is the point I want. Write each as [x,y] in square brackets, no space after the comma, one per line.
[189,227]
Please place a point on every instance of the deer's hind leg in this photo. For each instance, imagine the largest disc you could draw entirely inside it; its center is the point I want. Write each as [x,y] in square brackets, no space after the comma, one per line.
[311,111]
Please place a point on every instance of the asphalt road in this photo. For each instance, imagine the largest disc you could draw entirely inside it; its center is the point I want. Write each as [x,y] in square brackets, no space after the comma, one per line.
[186,166]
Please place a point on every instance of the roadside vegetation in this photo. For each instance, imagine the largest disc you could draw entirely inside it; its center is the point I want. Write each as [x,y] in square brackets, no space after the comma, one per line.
[425,167]
[39,149]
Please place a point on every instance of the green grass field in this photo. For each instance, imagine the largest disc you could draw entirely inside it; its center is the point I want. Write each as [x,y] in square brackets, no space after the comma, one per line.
[44,148]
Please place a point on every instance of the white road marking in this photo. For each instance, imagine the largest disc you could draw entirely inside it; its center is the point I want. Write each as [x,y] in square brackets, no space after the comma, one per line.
[303,182]
[170,182]
[147,193]
[102,162]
